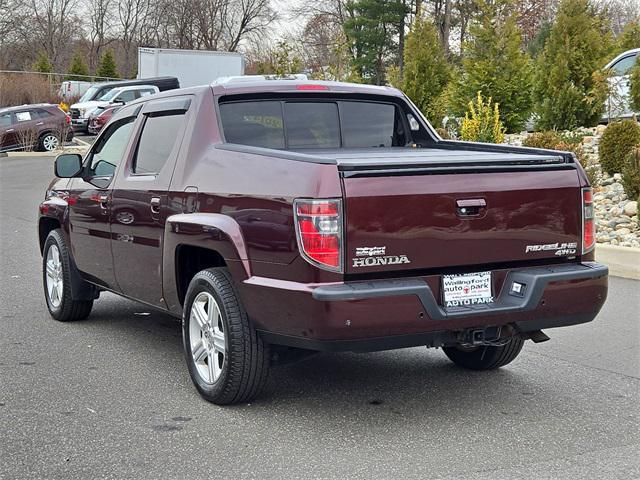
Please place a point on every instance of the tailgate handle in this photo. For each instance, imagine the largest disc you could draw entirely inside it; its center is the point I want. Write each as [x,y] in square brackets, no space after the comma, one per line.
[470,207]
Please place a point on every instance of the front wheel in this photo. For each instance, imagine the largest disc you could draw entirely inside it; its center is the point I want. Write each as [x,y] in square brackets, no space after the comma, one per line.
[56,277]
[485,357]
[227,360]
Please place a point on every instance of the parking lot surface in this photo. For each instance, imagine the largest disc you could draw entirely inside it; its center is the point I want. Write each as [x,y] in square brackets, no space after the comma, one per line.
[110,397]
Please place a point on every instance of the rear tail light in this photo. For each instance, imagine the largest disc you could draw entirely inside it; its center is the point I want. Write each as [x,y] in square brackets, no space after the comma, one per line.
[319,232]
[67,118]
[588,221]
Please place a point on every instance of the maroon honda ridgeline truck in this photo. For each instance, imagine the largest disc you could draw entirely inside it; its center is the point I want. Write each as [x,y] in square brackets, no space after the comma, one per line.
[281,217]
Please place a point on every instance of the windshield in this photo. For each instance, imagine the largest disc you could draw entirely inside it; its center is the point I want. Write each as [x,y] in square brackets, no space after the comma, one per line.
[109,95]
[88,95]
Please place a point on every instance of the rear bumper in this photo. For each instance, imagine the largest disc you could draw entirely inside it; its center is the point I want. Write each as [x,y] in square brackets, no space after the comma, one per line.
[79,124]
[383,314]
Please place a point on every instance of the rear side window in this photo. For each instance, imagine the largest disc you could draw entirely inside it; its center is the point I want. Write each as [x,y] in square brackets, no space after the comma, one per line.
[157,141]
[622,66]
[23,116]
[313,124]
[40,113]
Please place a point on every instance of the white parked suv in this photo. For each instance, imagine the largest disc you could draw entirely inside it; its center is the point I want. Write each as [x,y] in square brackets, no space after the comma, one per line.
[618,103]
[80,112]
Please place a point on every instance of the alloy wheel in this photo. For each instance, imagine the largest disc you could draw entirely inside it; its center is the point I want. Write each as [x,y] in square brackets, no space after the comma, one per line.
[207,337]
[50,142]
[55,281]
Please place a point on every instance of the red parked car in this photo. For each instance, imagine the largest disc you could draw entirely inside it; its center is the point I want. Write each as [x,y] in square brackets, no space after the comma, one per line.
[100,117]
[277,218]
[41,126]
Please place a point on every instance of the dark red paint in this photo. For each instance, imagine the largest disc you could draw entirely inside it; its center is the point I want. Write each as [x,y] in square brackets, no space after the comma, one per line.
[238,204]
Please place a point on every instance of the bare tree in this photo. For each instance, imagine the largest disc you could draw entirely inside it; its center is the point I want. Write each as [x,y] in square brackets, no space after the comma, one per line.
[52,26]
[245,18]
[100,22]
[132,15]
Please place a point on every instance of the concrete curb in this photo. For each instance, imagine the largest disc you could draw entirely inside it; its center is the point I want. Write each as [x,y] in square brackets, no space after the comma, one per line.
[622,261]
[81,149]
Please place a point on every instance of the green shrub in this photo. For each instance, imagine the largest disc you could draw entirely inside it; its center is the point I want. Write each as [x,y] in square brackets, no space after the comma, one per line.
[570,90]
[631,174]
[634,90]
[566,143]
[616,143]
[493,63]
[548,139]
[443,133]
[482,123]
[426,71]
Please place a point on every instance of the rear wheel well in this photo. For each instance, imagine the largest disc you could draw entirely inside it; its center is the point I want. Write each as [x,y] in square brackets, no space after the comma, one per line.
[45,226]
[191,260]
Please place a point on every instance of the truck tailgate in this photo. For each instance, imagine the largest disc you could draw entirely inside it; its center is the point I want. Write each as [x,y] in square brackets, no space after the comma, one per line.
[458,211]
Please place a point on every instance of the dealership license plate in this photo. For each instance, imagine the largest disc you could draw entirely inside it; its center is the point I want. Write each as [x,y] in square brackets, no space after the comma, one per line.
[467,289]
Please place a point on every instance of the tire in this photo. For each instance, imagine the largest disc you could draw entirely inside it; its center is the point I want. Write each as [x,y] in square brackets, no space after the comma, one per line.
[485,357]
[56,279]
[227,360]
[48,142]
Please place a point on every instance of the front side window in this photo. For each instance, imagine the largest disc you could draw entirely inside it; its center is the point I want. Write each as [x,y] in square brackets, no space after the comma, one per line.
[156,143]
[108,153]
[622,66]
[5,119]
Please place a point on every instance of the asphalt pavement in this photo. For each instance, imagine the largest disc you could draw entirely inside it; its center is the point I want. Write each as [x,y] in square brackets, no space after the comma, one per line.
[110,397]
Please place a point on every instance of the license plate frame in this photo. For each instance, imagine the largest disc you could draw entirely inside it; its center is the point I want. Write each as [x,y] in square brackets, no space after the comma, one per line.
[467,289]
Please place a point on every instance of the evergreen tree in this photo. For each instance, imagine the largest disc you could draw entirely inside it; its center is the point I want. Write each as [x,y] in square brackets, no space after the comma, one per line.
[570,90]
[107,67]
[495,65]
[426,71]
[78,67]
[372,29]
[634,90]
[629,38]
[43,64]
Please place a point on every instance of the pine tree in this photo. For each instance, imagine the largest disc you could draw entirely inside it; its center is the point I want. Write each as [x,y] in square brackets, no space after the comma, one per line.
[78,69]
[372,29]
[570,90]
[629,38]
[107,67]
[495,65]
[426,71]
[43,64]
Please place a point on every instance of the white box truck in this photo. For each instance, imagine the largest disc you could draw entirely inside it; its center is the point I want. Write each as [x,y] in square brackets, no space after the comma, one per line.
[191,67]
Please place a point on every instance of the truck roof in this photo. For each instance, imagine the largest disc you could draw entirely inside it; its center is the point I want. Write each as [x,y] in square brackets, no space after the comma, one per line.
[260,85]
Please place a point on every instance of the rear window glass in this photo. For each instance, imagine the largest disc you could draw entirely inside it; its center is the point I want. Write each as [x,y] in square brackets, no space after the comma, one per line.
[312,124]
[258,124]
[368,124]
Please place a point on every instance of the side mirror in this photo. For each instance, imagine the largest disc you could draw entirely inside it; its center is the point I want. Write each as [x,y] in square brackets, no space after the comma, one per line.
[68,165]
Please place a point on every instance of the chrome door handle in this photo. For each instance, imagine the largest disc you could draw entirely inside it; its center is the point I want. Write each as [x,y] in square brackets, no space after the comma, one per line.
[155,205]
[39,123]
[9,130]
